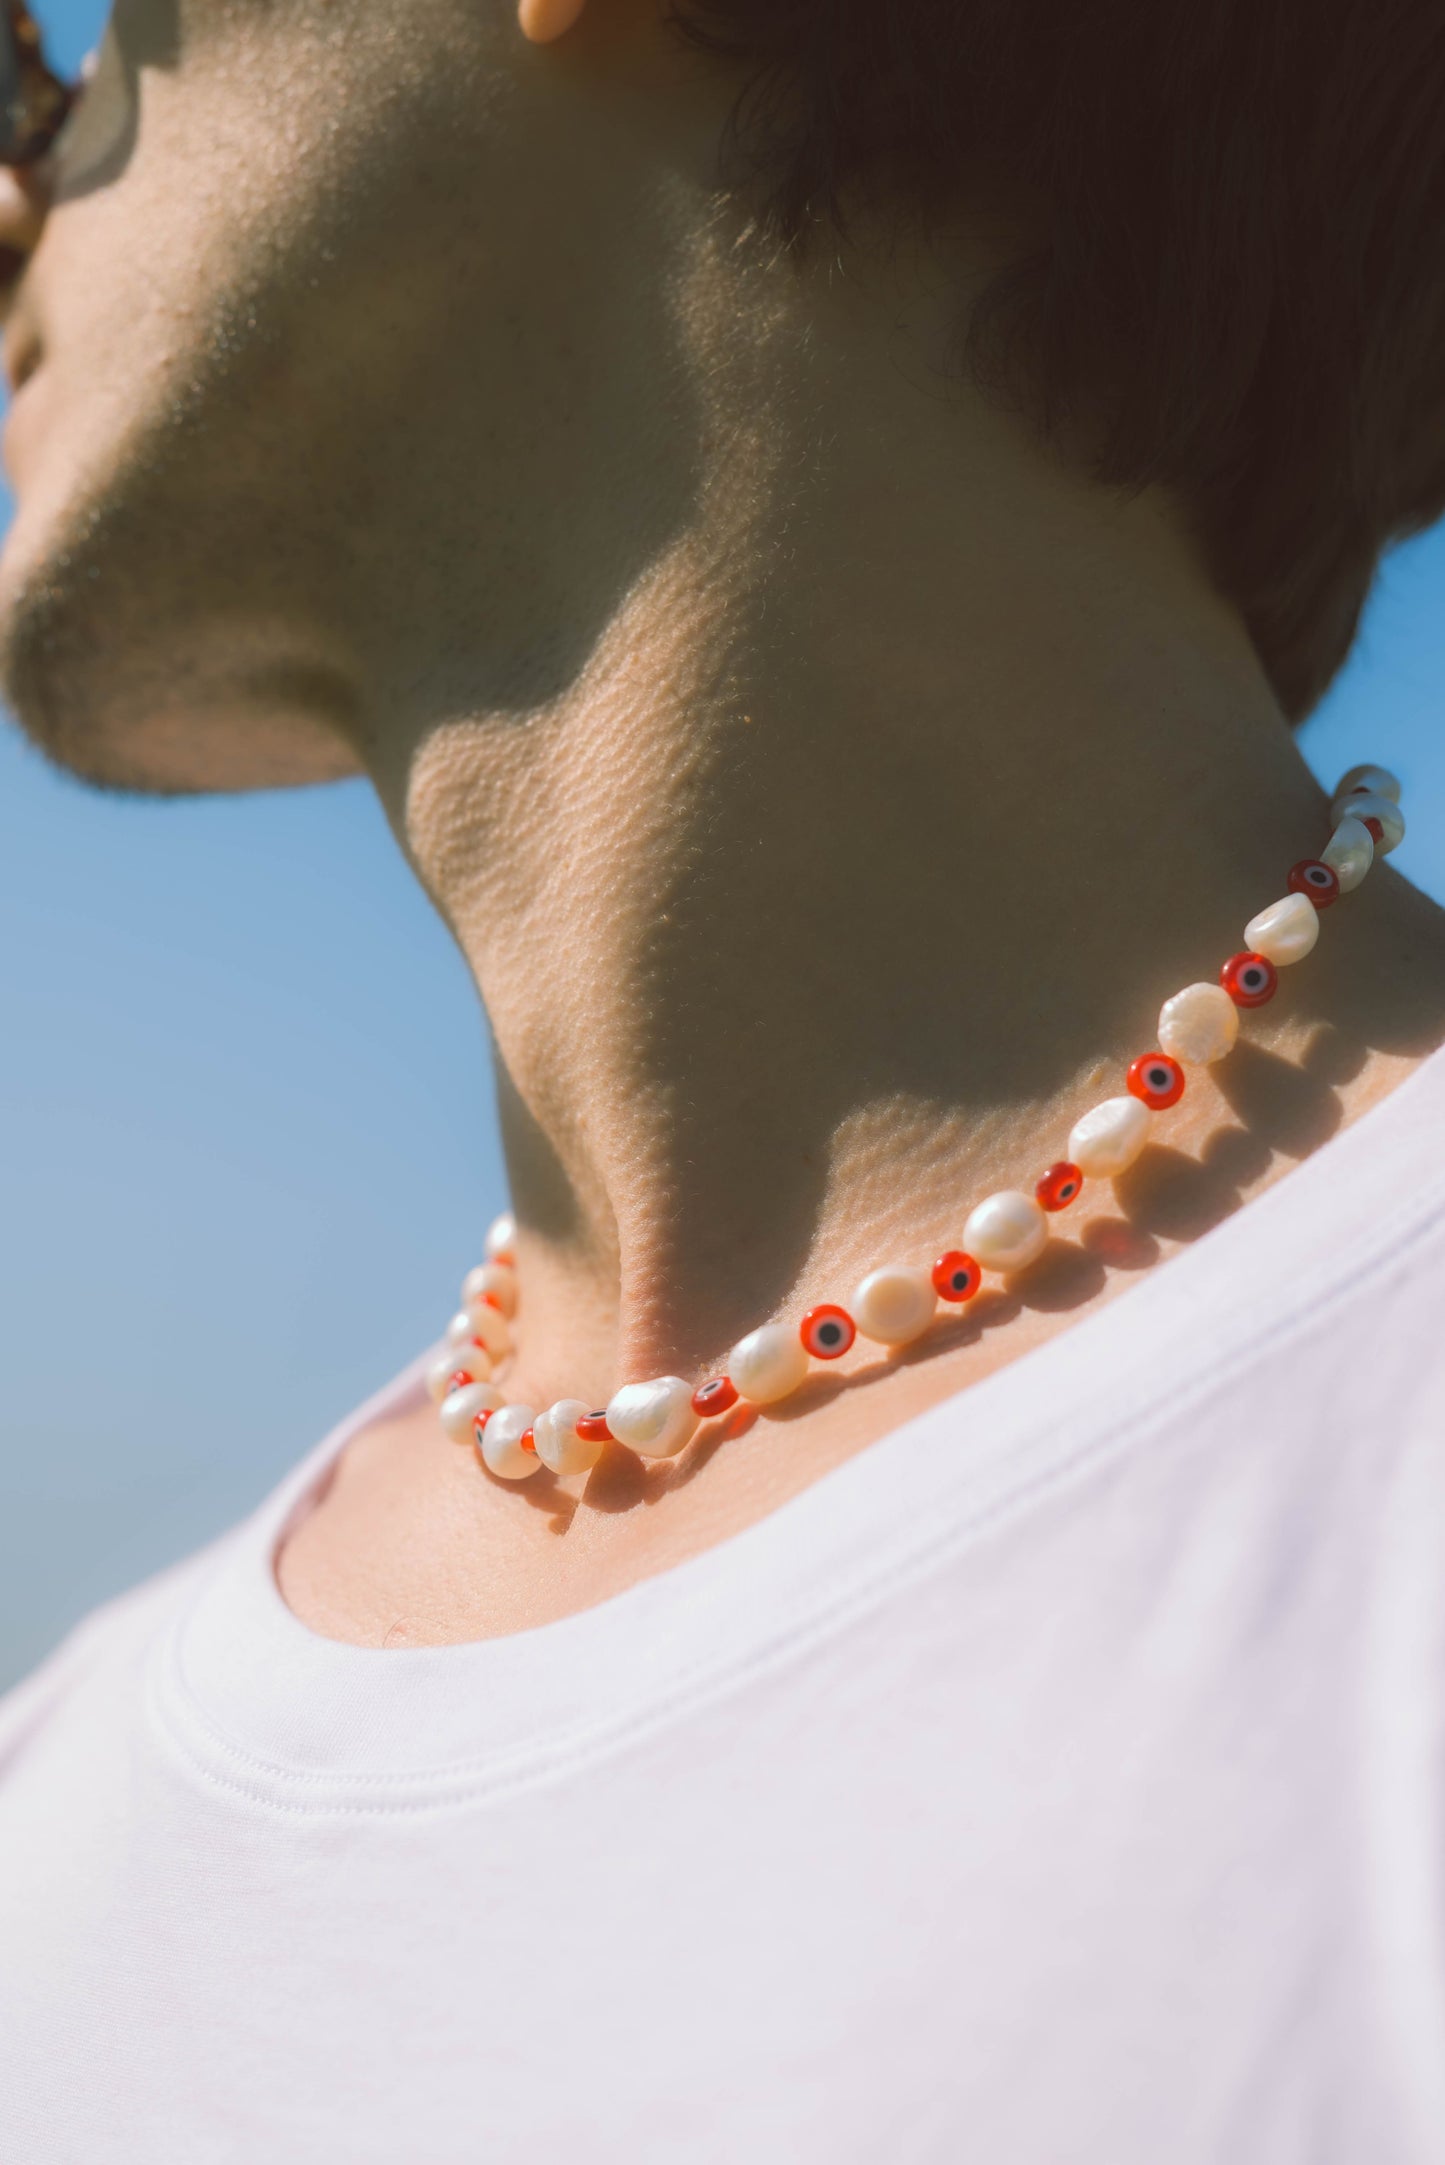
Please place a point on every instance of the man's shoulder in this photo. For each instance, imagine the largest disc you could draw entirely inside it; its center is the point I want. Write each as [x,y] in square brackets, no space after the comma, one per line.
[104,1643]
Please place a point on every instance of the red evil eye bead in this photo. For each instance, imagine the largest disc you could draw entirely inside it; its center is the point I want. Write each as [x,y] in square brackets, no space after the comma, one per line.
[719,1396]
[592,1428]
[1157,1080]
[1310,877]
[482,1419]
[827,1331]
[1060,1186]
[956,1276]
[1249,980]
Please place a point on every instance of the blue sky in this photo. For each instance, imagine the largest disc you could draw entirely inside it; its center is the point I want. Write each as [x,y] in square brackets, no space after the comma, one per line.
[247,1142]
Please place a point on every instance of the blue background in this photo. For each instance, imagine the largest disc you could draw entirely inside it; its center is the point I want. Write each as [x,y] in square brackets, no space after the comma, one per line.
[247,1141]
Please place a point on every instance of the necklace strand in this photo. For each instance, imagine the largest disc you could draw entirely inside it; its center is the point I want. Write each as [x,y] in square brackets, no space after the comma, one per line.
[895,1305]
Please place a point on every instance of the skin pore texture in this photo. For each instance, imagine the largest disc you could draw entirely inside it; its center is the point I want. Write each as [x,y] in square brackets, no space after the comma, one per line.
[824,781]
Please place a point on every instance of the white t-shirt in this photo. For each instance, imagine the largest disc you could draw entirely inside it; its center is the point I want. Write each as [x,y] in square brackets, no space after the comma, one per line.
[1057,1783]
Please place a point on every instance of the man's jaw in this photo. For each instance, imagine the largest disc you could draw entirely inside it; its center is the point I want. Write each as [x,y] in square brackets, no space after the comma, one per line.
[22,352]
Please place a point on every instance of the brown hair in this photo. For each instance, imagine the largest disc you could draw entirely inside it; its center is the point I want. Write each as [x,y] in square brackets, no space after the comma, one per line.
[1237,262]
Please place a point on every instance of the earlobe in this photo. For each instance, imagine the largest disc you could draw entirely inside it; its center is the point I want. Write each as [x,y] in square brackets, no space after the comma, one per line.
[543,21]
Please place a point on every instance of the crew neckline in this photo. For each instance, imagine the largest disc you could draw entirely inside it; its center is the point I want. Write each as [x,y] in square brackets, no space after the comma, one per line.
[271,1712]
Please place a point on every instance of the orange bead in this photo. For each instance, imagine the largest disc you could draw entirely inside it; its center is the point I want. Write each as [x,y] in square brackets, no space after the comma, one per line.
[1156,1080]
[1251,979]
[827,1331]
[956,1276]
[1317,880]
[719,1396]
[1060,1186]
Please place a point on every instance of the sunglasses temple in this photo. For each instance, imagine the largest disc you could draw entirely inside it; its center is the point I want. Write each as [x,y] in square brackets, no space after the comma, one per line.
[34,101]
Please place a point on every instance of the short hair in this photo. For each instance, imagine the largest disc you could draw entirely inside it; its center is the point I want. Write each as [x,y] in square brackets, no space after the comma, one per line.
[1235,276]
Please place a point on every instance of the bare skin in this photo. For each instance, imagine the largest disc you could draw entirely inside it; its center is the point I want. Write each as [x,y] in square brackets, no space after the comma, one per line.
[824,783]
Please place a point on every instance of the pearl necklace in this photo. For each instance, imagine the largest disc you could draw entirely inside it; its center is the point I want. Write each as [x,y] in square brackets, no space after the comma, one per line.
[896,1304]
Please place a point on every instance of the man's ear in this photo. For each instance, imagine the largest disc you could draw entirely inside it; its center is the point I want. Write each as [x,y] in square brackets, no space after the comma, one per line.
[543,21]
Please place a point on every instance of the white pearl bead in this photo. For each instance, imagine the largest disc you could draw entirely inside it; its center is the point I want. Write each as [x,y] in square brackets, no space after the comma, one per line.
[769,1363]
[480,1323]
[499,1446]
[495,1279]
[459,1409]
[1349,853]
[655,1418]
[558,1443]
[501,1237]
[893,1306]
[439,1375]
[1201,1023]
[1377,780]
[1286,931]
[1006,1231]
[1109,1137]
[1384,809]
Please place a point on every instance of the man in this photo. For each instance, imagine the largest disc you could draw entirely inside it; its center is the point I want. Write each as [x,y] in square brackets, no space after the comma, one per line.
[816,521]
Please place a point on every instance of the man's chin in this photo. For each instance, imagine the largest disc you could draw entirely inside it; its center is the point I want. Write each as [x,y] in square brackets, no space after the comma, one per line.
[130,685]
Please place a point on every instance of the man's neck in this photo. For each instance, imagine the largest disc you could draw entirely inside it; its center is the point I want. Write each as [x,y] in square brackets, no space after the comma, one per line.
[898,789]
